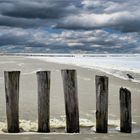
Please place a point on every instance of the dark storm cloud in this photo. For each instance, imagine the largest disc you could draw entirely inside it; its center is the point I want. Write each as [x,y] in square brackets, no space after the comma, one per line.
[38,8]
[32,25]
[35,13]
[119,15]
[21,22]
[71,14]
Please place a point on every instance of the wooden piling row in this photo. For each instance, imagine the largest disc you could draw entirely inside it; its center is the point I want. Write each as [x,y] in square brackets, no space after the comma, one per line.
[69,78]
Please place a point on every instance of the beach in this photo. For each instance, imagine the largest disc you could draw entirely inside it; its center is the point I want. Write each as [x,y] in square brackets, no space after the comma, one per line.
[86,94]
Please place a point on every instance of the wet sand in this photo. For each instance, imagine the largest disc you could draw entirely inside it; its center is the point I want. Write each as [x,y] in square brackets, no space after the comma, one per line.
[86,93]
[71,137]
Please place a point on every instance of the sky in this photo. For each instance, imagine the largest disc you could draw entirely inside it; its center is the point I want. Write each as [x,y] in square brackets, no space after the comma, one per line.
[70,26]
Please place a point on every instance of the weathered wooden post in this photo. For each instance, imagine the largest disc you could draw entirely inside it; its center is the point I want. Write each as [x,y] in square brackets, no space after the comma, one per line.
[101,104]
[43,78]
[12,100]
[125,111]
[71,100]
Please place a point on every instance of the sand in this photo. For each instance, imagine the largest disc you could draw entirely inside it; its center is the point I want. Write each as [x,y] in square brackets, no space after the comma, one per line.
[71,137]
[86,93]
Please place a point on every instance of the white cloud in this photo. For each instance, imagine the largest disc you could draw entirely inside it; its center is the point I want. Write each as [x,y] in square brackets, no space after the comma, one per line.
[123,21]
[68,41]
[86,25]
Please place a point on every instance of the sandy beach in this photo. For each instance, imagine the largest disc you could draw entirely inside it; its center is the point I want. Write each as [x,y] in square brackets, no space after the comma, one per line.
[86,94]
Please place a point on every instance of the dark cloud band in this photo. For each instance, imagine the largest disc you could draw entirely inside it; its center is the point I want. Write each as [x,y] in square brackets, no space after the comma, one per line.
[86,25]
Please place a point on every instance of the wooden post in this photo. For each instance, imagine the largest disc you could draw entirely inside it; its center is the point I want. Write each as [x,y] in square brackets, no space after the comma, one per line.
[12,100]
[43,78]
[125,111]
[71,100]
[101,104]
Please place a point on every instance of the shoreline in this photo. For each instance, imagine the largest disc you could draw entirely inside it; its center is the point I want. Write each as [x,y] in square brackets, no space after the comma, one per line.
[36,57]
[116,72]
[86,90]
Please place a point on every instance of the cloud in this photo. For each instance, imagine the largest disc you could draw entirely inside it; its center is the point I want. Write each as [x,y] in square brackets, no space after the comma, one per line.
[118,15]
[21,22]
[35,13]
[43,9]
[83,14]
[97,41]
[102,26]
